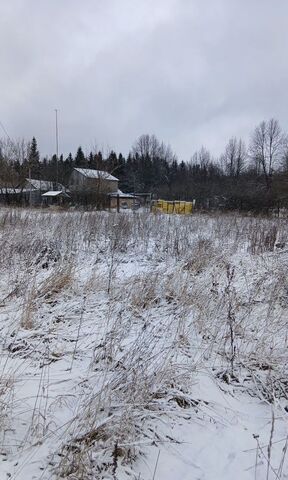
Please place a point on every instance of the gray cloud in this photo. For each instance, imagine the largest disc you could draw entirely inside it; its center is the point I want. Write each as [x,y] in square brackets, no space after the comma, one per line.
[191,71]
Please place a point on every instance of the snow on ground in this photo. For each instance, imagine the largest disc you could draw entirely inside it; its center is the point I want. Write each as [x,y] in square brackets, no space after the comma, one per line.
[145,347]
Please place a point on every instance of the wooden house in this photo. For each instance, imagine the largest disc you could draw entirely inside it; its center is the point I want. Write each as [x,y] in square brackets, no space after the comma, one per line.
[87,180]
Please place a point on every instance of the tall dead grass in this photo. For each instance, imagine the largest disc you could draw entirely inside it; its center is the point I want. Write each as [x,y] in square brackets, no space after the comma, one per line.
[179,313]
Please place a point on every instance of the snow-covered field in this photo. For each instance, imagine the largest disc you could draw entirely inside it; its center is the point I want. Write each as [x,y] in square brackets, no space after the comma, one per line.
[143,347]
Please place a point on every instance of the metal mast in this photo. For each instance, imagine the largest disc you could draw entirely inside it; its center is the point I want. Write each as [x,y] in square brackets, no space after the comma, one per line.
[57,144]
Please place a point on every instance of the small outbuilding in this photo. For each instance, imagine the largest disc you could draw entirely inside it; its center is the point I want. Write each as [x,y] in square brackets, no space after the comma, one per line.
[123,200]
[55,197]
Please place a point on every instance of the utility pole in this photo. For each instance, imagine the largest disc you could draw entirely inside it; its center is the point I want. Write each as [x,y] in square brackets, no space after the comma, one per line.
[57,144]
[30,189]
[133,192]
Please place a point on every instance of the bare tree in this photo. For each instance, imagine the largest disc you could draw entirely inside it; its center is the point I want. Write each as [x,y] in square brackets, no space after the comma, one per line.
[12,152]
[266,148]
[241,157]
[284,160]
[234,158]
[228,159]
[202,158]
[148,146]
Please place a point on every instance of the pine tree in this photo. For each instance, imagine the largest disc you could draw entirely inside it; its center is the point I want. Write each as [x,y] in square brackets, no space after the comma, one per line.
[69,161]
[34,159]
[91,160]
[80,160]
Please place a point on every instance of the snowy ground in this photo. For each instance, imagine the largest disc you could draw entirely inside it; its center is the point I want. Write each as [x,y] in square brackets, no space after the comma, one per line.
[143,347]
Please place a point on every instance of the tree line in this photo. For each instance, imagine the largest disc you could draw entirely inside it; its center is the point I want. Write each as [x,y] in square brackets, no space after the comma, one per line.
[245,177]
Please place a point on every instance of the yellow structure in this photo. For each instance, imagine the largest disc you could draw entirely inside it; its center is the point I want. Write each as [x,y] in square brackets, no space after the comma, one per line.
[163,206]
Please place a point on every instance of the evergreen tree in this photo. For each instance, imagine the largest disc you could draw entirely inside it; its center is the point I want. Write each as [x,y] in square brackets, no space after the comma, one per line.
[91,160]
[34,159]
[80,159]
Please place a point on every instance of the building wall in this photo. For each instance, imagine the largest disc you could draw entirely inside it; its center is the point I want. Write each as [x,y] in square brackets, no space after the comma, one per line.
[124,202]
[79,182]
[76,181]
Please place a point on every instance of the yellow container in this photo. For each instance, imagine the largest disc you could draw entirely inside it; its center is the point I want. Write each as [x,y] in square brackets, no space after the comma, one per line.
[178,207]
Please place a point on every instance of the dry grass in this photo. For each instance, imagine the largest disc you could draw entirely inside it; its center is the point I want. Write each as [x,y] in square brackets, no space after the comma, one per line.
[28,315]
[60,279]
[147,335]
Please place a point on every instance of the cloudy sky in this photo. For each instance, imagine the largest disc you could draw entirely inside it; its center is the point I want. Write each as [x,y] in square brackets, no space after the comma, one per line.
[192,72]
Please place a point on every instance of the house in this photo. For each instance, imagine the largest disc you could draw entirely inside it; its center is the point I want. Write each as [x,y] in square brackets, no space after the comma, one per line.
[13,195]
[87,180]
[35,188]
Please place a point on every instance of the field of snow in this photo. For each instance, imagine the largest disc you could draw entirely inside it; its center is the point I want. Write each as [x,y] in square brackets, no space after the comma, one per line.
[143,347]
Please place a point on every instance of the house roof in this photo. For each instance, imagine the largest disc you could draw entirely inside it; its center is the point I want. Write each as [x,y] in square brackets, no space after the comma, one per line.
[91,173]
[43,184]
[55,193]
[13,190]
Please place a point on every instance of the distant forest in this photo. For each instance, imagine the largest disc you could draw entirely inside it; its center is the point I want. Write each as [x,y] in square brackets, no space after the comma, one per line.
[245,177]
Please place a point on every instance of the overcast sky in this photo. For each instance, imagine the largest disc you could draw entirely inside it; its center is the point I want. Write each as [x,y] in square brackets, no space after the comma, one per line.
[192,72]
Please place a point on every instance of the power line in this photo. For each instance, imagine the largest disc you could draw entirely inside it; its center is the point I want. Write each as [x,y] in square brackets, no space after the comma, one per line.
[4,130]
